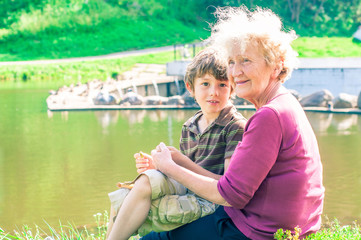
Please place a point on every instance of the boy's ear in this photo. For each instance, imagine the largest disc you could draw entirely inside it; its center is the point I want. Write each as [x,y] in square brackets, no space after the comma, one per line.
[189,89]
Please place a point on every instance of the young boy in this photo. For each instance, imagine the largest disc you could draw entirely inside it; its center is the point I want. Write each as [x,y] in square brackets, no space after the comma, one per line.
[158,203]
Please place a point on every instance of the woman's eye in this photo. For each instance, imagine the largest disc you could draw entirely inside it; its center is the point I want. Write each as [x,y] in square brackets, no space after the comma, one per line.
[246,60]
[230,62]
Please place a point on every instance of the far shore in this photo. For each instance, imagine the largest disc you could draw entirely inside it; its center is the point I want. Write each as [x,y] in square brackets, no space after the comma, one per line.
[177,107]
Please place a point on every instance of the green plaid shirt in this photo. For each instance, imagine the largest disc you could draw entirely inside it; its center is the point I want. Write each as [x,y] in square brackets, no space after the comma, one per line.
[209,148]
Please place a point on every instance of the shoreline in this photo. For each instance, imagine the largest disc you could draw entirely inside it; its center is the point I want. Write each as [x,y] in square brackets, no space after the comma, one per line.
[179,107]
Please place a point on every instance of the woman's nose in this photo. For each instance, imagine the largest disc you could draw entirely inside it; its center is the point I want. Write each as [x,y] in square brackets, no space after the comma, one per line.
[236,70]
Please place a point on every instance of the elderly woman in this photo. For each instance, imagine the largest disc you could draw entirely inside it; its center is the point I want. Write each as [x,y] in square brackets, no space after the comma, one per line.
[274,179]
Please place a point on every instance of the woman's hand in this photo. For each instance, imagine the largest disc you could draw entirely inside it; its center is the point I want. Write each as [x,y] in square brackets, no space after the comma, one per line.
[162,158]
[175,154]
[143,162]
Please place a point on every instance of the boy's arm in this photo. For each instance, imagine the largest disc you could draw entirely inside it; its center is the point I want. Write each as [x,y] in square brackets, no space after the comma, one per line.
[185,162]
[226,163]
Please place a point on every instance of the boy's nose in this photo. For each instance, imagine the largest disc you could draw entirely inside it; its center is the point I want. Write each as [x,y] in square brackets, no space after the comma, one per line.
[214,90]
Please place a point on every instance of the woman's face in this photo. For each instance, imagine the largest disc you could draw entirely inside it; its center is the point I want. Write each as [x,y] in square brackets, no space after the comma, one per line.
[249,70]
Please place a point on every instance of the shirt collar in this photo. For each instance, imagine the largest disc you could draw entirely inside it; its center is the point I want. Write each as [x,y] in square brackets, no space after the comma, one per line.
[222,120]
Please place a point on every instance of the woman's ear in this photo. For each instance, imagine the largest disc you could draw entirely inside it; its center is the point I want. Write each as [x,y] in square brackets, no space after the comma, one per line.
[277,70]
[190,90]
[232,89]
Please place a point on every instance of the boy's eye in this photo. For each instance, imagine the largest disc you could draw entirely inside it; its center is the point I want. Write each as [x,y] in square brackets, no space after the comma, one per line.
[205,84]
[223,85]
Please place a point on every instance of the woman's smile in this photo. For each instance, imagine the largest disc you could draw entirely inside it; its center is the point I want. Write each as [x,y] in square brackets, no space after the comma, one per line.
[241,82]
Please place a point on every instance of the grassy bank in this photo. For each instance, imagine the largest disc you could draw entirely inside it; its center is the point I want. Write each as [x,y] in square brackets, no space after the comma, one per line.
[330,231]
[55,75]
[77,28]
[54,29]
[59,74]
[99,40]
[313,47]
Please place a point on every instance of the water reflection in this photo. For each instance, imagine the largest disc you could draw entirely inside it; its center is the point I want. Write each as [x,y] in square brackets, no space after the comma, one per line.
[345,124]
[322,123]
[133,117]
[326,123]
[64,115]
[106,118]
[170,131]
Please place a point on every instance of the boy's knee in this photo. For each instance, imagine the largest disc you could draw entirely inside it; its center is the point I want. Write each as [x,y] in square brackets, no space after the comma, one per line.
[142,185]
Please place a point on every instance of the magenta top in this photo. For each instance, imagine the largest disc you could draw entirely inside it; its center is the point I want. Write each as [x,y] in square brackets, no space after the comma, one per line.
[275,176]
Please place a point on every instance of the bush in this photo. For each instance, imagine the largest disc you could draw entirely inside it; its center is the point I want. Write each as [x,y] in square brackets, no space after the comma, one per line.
[333,231]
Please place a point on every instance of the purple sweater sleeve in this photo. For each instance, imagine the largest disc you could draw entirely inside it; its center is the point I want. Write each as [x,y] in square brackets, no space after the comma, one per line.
[253,158]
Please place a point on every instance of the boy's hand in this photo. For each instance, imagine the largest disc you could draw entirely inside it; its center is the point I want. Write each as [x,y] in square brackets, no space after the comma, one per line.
[143,162]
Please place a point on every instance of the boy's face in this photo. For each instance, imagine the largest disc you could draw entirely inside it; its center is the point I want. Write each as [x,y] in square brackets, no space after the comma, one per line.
[211,94]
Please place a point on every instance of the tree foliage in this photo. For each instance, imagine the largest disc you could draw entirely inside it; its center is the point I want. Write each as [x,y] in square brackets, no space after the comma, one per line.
[307,17]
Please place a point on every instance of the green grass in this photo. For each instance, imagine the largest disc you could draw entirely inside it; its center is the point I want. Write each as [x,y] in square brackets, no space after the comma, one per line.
[74,46]
[312,47]
[95,28]
[55,75]
[96,231]
[99,40]
[331,231]
[76,28]
[64,231]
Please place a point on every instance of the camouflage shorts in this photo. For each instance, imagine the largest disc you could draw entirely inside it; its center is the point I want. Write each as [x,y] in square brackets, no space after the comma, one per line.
[172,204]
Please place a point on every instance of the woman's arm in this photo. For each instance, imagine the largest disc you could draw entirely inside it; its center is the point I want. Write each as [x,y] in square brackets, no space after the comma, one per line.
[204,186]
[253,159]
[184,161]
[144,162]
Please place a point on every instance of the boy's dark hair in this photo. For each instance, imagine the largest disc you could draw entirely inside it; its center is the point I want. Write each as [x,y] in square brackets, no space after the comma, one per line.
[207,61]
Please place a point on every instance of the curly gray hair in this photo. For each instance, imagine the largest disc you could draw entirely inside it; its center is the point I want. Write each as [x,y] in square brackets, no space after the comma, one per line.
[240,27]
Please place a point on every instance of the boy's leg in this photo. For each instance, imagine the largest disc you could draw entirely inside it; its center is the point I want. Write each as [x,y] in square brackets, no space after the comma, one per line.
[134,210]
[116,198]
[159,186]
[112,214]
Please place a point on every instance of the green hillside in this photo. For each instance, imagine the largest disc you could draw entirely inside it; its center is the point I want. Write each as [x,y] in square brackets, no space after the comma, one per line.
[49,29]
[53,29]
[78,29]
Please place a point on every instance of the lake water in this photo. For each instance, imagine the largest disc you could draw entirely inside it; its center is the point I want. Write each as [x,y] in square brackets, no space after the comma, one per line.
[61,165]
